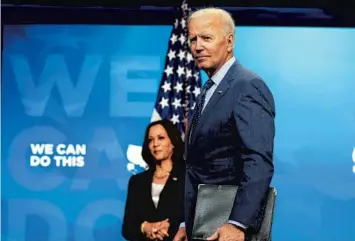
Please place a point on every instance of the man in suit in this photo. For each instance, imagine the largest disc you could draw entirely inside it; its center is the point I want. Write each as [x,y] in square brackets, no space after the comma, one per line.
[231,136]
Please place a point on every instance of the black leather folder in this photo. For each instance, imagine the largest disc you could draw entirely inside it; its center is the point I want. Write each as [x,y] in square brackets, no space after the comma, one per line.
[213,207]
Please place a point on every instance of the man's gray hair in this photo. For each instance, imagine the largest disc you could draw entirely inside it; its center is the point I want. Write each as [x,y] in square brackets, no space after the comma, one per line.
[227,19]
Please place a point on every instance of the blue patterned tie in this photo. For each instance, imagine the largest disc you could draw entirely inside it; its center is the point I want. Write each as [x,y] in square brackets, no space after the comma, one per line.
[199,104]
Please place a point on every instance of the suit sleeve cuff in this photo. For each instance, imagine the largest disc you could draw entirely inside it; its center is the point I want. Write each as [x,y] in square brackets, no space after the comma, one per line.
[182,225]
[238,224]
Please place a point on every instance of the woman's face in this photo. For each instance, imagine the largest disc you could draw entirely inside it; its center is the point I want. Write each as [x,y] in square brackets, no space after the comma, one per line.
[160,145]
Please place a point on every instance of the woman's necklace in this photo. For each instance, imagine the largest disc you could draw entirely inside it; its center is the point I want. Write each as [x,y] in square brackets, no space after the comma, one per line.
[162,176]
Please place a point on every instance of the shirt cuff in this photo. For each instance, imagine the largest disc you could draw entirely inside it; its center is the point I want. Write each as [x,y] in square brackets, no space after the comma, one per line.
[182,225]
[238,224]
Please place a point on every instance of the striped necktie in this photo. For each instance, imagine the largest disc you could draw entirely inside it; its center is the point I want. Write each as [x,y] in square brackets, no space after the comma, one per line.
[199,104]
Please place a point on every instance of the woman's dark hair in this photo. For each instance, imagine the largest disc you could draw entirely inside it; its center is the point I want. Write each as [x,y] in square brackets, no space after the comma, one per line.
[175,138]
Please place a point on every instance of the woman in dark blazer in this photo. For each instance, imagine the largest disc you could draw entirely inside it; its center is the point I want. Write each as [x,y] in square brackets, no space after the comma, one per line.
[155,197]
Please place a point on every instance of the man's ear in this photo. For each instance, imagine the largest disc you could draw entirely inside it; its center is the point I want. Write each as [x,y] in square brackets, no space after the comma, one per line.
[230,42]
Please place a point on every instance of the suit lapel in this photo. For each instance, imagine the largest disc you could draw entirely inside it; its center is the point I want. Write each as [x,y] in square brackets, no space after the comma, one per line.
[217,95]
[221,89]
[173,177]
[188,134]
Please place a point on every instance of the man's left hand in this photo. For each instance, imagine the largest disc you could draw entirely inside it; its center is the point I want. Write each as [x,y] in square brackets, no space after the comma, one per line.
[228,232]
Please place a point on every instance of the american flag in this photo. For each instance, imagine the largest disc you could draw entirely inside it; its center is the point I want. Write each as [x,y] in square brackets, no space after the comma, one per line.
[181,81]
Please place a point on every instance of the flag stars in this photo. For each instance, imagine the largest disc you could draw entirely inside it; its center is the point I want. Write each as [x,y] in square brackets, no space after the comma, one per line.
[176,23]
[184,6]
[180,71]
[175,119]
[166,87]
[182,54]
[171,54]
[188,89]
[183,23]
[189,57]
[188,73]
[176,103]
[173,38]
[178,87]
[164,102]
[196,91]
[168,70]
[182,39]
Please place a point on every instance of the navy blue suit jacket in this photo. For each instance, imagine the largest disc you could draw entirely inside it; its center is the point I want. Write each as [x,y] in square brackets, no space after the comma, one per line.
[233,144]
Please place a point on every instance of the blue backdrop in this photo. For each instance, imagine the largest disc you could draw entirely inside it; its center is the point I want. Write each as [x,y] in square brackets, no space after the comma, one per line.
[96,85]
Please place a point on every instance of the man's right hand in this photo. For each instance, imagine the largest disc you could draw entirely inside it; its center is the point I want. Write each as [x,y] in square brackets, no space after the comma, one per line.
[180,235]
